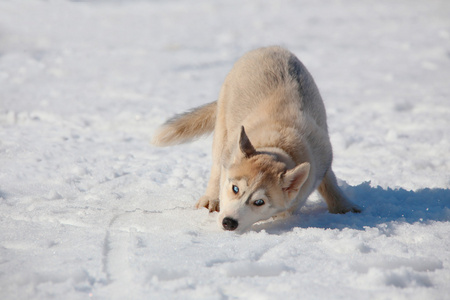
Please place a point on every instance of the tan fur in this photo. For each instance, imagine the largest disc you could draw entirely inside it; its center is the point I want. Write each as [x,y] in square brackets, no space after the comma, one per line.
[270,141]
[188,126]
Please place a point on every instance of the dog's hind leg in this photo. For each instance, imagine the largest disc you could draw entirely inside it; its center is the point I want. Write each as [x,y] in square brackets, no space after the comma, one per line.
[334,197]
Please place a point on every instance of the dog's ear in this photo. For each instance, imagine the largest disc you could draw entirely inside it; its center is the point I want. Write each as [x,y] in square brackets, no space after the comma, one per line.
[292,180]
[245,145]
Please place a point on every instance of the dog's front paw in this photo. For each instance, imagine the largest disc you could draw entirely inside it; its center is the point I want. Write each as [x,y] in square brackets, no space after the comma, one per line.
[207,202]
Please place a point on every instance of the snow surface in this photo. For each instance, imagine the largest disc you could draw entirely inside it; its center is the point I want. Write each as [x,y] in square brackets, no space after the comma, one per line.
[89,209]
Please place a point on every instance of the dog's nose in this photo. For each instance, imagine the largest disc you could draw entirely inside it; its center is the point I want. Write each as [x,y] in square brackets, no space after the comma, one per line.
[229,224]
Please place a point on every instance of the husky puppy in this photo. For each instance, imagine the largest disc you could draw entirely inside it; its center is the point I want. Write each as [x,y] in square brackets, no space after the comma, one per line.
[271,147]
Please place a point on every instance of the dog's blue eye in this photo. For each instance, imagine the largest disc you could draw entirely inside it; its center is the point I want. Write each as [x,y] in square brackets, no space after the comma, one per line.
[259,202]
[235,189]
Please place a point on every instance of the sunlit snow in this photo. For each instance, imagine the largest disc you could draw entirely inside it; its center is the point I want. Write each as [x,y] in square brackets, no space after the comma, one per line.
[90,210]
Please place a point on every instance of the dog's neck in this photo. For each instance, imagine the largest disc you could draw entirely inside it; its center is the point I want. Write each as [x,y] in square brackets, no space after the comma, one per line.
[279,154]
[285,143]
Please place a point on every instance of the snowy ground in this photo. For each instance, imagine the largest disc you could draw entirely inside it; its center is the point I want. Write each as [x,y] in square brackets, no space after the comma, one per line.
[88,209]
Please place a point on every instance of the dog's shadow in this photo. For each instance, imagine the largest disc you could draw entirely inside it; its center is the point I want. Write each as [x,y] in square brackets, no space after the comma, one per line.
[380,206]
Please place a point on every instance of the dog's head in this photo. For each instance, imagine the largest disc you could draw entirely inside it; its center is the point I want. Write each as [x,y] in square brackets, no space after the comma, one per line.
[256,186]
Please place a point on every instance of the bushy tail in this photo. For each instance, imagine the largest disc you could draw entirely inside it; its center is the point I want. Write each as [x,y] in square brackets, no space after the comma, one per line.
[185,127]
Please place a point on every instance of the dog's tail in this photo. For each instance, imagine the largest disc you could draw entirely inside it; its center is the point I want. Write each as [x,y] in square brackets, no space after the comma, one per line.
[185,127]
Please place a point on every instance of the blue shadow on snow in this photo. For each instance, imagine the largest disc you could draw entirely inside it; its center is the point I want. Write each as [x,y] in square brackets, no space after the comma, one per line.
[379,206]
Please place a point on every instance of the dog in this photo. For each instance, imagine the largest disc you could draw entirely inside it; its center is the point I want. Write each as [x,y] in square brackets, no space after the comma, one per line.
[271,147]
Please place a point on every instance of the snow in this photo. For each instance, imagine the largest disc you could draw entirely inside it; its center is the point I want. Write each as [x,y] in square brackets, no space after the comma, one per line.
[89,209]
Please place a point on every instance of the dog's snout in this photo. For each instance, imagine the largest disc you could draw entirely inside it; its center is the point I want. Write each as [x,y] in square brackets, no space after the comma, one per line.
[229,223]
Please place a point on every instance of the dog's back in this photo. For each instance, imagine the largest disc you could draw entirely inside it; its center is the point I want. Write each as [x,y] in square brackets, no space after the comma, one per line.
[271,93]
[266,81]
[275,74]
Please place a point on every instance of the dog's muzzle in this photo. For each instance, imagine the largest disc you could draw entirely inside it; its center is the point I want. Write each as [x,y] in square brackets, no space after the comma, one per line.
[229,224]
